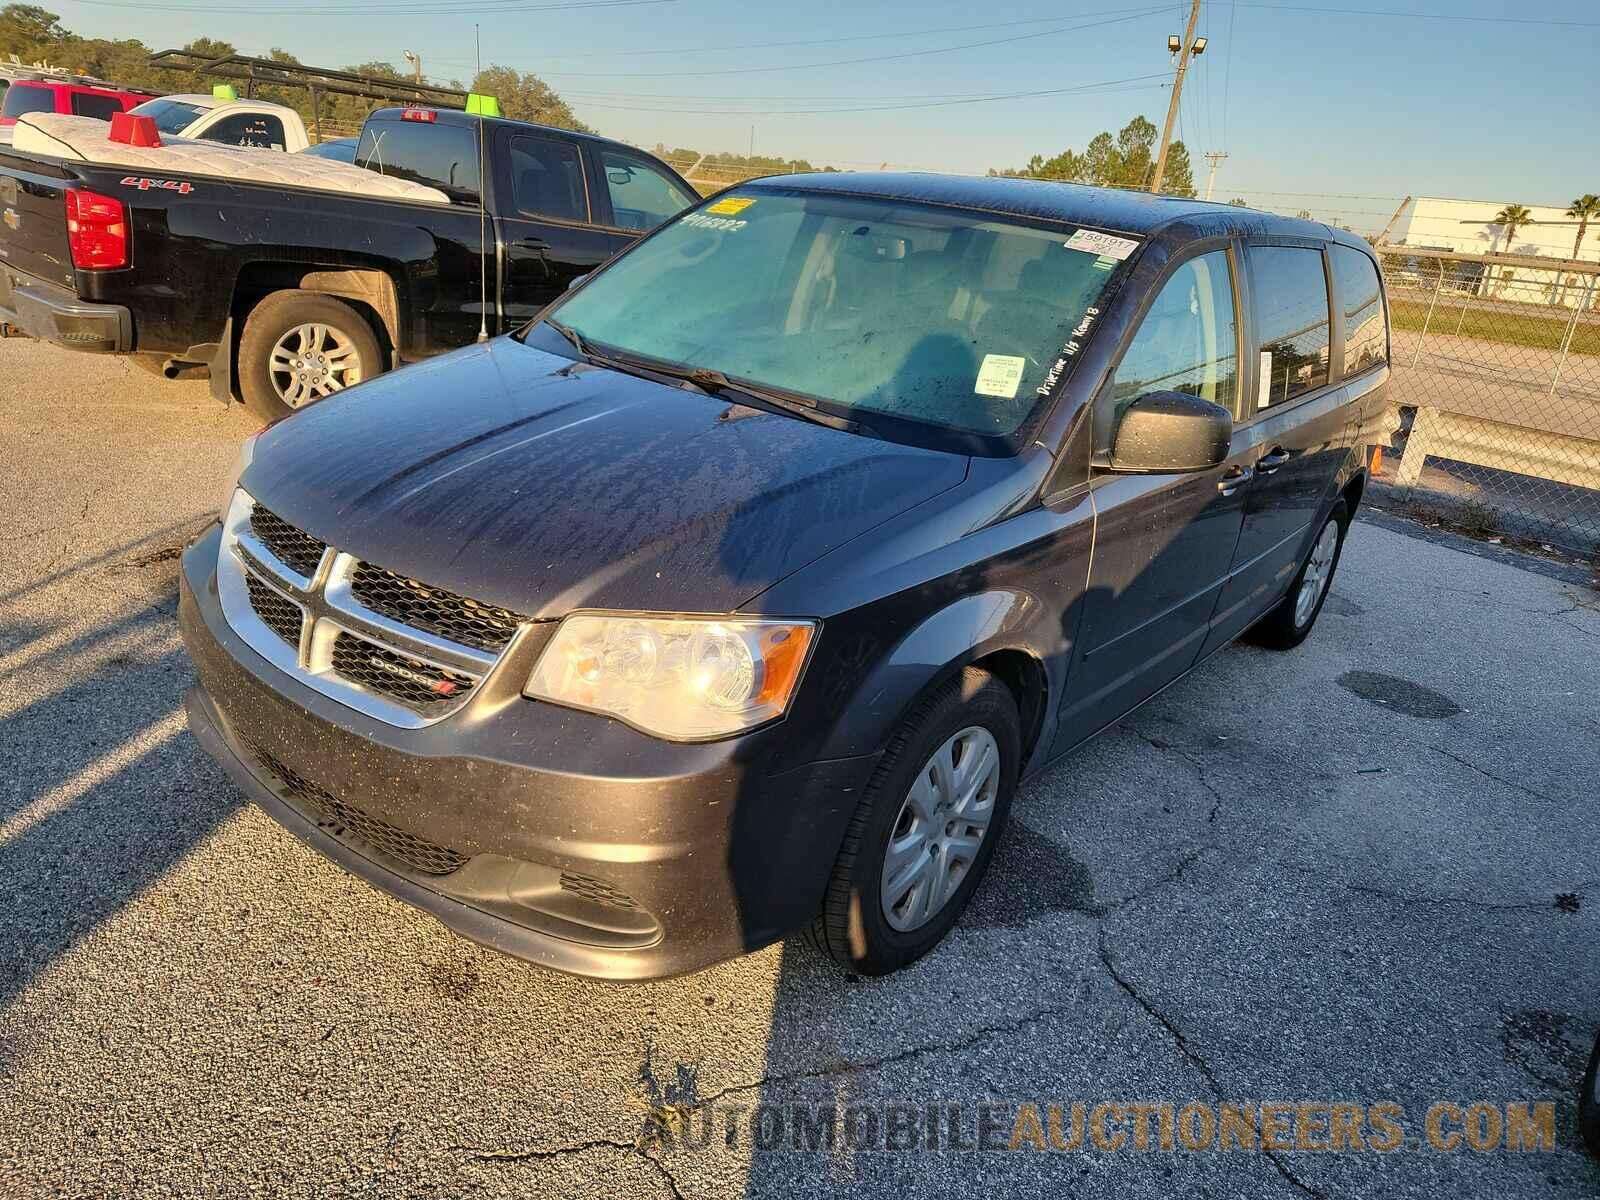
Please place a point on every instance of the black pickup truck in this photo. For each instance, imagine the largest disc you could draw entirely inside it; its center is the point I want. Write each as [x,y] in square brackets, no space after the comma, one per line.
[286,294]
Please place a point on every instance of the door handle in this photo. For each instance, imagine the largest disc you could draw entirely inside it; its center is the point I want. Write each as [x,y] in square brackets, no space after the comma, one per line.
[1234,479]
[1272,460]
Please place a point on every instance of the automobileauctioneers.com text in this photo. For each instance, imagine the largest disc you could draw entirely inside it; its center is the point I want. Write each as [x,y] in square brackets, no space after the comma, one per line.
[1112,1127]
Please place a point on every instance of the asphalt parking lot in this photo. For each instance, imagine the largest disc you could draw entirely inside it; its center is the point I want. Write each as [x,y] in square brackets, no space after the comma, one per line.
[1367,871]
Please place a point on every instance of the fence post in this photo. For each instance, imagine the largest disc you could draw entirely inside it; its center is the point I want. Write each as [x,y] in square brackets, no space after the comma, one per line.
[1566,341]
[1423,336]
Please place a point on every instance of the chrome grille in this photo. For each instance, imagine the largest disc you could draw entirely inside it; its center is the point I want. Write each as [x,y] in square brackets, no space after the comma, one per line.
[349,823]
[280,615]
[411,602]
[391,647]
[293,547]
[411,681]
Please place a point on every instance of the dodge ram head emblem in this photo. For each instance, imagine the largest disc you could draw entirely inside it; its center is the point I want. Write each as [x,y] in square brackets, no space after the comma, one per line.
[12,220]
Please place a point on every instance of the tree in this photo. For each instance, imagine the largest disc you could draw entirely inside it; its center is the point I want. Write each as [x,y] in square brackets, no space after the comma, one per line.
[28,31]
[1239,202]
[1584,209]
[1125,160]
[527,98]
[1510,219]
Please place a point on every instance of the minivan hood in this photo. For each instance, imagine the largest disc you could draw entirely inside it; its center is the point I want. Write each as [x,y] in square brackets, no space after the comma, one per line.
[523,479]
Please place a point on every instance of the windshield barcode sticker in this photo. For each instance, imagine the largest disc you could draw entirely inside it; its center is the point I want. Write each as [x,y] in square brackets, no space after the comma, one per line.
[1000,375]
[1101,244]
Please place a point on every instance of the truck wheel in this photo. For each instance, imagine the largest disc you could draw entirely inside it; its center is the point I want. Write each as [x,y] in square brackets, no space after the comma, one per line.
[925,829]
[301,346]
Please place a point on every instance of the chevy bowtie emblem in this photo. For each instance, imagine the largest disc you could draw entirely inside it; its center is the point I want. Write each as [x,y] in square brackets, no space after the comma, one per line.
[12,219]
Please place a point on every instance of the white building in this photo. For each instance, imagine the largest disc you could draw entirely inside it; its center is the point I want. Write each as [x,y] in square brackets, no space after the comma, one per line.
[1469,227]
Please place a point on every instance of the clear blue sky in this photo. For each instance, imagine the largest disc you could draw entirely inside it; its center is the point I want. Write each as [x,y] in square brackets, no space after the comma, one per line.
[1304,99]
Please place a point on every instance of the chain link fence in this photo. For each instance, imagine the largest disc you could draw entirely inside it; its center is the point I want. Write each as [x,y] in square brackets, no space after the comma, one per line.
[1496,368]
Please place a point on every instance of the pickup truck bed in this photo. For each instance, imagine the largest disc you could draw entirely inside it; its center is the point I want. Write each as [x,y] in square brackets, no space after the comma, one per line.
[216,273]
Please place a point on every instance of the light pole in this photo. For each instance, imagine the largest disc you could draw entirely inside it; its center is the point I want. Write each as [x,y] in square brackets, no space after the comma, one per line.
[1184,48]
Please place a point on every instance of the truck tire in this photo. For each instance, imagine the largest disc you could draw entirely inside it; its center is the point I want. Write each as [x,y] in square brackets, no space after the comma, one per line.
[299,347]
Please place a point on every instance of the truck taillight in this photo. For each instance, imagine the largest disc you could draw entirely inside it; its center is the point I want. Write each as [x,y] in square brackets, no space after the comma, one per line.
[97,230]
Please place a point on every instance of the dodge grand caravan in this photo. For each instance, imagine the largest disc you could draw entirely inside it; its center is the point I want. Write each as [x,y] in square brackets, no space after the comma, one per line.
[735,595]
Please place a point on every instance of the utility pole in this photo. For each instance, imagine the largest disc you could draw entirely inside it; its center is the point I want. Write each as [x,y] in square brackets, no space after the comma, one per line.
[1214,157]
[416,64]
[1184,49]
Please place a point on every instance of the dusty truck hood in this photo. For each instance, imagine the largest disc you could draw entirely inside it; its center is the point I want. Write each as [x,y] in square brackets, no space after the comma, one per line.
[522,479]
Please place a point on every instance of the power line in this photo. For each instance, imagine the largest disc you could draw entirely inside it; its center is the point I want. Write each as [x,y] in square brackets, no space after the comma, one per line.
[1133,15]
[833,41]
[1422,16]
[1227,73]
[1113,85]
[405,8]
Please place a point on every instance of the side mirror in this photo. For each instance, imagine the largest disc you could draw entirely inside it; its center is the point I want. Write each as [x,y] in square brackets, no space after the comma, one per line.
[1171,431]
[576,280]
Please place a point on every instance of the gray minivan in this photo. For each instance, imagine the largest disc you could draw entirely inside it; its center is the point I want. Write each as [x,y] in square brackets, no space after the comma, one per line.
[735,593]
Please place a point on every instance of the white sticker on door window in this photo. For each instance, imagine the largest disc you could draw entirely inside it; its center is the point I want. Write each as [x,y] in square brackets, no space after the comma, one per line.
[1000,375]
[1102,244]
[1264,386]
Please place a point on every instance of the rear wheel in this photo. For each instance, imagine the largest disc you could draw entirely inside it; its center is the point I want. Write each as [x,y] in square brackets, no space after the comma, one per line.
[1289,623]
[925,829]
[299,347]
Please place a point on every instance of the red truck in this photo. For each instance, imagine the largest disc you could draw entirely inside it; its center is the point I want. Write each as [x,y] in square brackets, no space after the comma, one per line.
[51,95]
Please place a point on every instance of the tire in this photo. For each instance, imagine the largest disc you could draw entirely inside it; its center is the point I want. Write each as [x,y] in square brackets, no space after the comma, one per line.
[1285,626]
[972,713]
[341,351]
[1589,1102]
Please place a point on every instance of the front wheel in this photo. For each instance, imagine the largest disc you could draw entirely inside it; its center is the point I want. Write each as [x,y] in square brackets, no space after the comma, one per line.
[299,347]
[1589,1102]
[1289,623]
[925,829]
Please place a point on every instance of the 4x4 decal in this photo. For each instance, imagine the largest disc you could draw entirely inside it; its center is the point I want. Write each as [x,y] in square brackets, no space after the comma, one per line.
[182,186]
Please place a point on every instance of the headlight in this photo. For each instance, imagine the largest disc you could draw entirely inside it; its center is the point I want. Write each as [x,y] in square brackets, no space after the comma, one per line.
[687,679]
[247,451]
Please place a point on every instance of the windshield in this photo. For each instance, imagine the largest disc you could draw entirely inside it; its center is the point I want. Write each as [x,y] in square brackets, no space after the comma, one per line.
[171,116]
[23,98]
[950,319]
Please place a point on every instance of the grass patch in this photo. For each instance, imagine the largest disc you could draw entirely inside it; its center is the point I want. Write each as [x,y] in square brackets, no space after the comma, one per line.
[1511,328]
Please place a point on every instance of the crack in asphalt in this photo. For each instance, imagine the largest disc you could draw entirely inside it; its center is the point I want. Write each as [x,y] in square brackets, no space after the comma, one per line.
[1197,764]
[1468,901]
[1510,783]
[1194,1058]
[479,1154]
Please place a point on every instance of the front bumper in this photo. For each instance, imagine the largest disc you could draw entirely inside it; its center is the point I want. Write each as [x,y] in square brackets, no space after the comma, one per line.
[53,313]
[587,846]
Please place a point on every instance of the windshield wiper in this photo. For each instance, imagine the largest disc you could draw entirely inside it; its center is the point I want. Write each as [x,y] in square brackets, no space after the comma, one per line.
[714,383]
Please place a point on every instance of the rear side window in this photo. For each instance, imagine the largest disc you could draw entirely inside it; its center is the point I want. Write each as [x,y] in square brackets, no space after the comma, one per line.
[641,196]
[441,156]
[247,129]
[547,179]
[1188,341]
[91,104]
[20,98]
[1355,276]
[1290,291]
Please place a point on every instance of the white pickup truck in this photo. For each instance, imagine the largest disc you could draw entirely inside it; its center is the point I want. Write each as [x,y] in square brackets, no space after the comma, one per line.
[203,118]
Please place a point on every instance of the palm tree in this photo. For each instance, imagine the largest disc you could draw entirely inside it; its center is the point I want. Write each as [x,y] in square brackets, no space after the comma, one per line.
[1512,218]
[1584,209]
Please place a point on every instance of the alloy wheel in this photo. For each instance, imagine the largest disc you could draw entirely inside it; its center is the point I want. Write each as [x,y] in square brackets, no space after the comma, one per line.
[1319,570]
[942,824]
[312,361]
